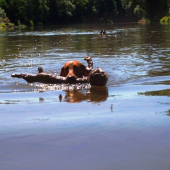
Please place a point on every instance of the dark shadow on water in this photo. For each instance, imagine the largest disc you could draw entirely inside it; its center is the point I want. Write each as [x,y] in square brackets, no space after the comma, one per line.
[94,94]
[168,113]
[165,92]
[159,72]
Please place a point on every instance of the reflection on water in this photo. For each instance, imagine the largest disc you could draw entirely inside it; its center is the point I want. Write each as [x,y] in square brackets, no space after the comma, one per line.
[168,113]
[72,93]
[159,72]
[95,94]
[165,92]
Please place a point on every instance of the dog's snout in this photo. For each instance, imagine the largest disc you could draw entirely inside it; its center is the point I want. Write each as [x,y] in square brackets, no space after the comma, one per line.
[71,79]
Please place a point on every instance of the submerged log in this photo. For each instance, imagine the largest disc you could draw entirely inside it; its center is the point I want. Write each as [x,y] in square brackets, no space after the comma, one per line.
[96,77]
[47,78]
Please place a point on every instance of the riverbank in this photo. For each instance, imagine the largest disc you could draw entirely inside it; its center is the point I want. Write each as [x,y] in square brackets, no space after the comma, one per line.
[6,24]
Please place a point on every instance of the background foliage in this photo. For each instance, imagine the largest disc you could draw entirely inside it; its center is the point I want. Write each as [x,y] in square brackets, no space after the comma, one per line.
[35,12]
[152,10]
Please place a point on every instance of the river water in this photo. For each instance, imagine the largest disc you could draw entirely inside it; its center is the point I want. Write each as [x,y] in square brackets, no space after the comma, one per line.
[124,125]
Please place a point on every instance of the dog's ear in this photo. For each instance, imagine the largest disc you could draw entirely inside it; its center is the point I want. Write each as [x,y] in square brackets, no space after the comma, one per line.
[84,70]
[62,72]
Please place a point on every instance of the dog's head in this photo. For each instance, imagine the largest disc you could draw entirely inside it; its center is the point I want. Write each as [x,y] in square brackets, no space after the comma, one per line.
[103,32]
[73,70]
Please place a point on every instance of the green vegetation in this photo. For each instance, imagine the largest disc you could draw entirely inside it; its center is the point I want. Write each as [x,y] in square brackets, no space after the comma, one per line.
[165,19]
[152,10]
[38,12]
[2,15]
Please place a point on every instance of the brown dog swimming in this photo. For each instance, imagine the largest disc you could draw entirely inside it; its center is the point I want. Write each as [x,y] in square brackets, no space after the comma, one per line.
[73,70]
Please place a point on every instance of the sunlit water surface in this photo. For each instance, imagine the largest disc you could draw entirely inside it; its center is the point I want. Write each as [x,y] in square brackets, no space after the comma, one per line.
[124,125]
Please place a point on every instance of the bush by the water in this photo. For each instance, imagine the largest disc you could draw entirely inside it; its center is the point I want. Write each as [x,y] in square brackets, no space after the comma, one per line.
[165,19]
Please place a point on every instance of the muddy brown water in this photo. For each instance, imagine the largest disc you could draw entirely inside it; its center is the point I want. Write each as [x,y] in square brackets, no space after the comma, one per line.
[124,125]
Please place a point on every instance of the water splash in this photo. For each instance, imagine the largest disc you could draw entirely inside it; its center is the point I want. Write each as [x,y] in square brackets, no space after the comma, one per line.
[54,87]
